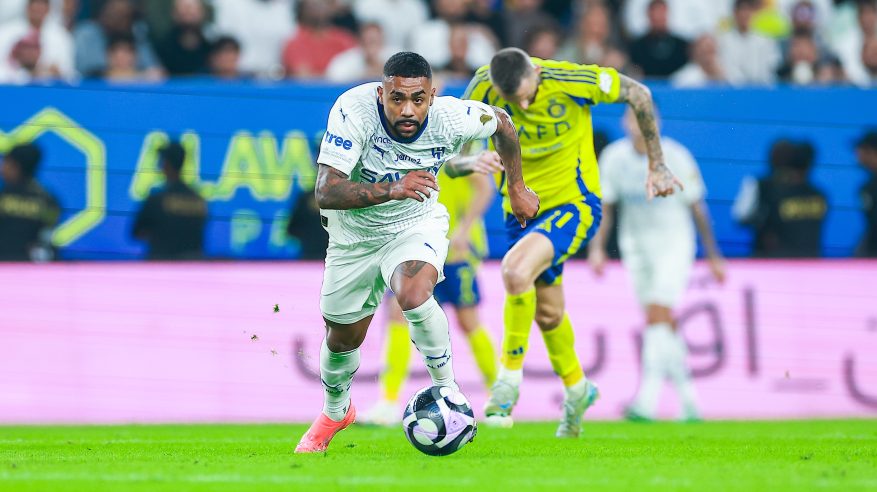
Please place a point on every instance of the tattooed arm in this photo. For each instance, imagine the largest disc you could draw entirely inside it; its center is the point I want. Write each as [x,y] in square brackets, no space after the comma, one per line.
[661,181]
[525,203]
[334,190]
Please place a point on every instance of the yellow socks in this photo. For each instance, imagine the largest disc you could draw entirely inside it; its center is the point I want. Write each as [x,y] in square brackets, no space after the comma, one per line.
[397,353]
[519,313]
[560,343]
[482,351]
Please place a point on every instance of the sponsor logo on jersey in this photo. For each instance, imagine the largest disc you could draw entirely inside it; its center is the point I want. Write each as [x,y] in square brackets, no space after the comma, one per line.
[338,140]
[406,158]
[378,139]
[379,150]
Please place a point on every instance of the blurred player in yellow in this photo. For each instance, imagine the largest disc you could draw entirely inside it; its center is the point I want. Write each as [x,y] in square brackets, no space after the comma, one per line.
[550,104]
[467,199]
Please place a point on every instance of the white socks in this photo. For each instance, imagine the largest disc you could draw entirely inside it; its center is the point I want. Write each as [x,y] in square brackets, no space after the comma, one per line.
[336,372]
[677,371]
[575,391]
[510,376]
[429,332]
[664,355]
[652,377]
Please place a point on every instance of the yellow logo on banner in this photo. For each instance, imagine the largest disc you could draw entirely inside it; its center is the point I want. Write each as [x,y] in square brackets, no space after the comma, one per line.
[51,120]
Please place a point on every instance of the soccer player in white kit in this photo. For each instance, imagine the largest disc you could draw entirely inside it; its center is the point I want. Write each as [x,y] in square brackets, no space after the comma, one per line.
[658,247]
[376,187]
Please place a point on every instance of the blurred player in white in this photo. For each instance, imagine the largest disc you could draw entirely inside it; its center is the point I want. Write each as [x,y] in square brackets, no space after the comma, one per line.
[376,187]
[658,247]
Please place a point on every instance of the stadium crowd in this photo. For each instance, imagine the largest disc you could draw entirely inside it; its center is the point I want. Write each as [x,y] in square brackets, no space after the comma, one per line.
[688,42]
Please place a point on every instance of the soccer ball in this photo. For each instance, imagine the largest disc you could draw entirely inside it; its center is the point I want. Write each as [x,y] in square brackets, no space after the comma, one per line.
[438,421]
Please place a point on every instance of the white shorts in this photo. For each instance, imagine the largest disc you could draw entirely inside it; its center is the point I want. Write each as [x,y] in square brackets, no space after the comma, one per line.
[357,276]
[659,277]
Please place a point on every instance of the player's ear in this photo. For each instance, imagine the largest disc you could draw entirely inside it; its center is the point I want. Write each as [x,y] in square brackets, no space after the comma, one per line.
[380,93]
[432,96]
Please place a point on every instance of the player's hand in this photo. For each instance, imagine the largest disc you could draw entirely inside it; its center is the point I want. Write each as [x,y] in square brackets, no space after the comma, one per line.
[487,162]
[661,182]
[525,203]
[597,259]
[417,185]
[460,247]
[717,269]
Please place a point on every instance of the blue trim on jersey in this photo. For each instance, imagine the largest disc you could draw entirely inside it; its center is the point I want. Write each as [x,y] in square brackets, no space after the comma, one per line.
[570,71]
[569,79]
[581,101]
[583,188]
[386,126]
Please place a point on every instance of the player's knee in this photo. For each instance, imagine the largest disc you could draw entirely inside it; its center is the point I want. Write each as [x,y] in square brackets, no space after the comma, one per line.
[413,297]
[516,279]
[548,318]
[658,314]
[344,341]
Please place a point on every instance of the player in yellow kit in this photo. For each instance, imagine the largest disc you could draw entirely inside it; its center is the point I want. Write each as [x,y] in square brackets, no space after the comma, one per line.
[550,104]
[467,199]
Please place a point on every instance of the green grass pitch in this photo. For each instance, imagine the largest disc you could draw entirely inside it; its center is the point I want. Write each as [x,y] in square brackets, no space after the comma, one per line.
[745,456]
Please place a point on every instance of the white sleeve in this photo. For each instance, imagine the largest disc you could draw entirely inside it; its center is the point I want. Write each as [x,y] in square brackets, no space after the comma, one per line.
[477,120]
[608,183]
[344,140]
[689,173]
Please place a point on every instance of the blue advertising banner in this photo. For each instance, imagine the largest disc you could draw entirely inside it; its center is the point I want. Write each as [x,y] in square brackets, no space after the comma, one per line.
[252,150]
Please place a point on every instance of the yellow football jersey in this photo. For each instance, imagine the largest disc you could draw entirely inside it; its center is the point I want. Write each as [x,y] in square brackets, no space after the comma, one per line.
[557,147]
[456,195]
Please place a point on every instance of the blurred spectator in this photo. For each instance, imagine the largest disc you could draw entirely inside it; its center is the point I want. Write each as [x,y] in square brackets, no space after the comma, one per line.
[747,57]
[815,15]
[261,27]
[433,38]
[305,225]
[122,63]
[342,15]
[184,48]
[805,64]
[15,10]
[55,43]
[593,42]
[458,66]
[544,41]
[659,52]
[849,43]
[22,65]
[27,211]
[869,61]
[159,16]
[482,12]
[172,219]
[401,20]
[316,42]
[521,17]
[364,62]
[225,59]
[704,67]
[115,19]
[688,18]
[67,13]
[785,210]
[866,150]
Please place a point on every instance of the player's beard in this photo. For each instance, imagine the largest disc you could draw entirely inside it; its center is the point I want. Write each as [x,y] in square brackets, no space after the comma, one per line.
[397,125]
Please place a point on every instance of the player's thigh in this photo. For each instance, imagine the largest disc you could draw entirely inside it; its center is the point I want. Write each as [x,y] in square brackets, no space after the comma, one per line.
[413,263]
[550,305]
[468,318]
[640,273]
[525,261]
[671,274]
[352,283]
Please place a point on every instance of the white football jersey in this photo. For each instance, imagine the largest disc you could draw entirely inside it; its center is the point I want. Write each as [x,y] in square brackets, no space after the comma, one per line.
[359,144]
[665,222]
